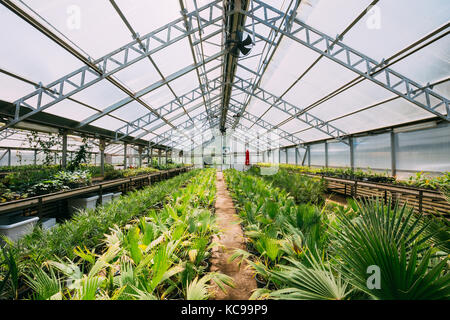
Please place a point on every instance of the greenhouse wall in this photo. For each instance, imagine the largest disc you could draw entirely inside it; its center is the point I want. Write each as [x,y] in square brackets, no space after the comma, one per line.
[402,152]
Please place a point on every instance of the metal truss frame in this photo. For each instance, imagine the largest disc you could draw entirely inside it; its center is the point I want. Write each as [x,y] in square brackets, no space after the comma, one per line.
[290,109]
[283,23]
[113,62]
[422,96]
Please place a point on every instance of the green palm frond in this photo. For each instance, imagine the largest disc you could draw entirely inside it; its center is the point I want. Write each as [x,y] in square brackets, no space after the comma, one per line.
[395,242]
[316,282]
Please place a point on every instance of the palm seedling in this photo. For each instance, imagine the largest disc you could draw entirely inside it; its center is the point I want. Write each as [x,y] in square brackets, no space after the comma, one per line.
[388,253]
[318,281]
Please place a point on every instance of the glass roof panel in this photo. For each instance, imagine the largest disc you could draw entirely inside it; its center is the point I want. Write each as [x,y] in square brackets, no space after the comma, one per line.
[146,16]
[275,116]
[294,125]
[174,57]
[158,97]
[100,95]
[323,79]
[71,110]
[13,89]
[131,111]
[401,23]
[391,113]
[139,75]
[331,16]
[108,123]
[26,52]
[358,97]
[93,25]
[290,61]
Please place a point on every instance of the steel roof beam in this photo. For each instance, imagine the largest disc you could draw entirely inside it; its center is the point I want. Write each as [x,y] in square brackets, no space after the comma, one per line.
[165,109]
[291,109]
[271,44]
[353,60]
[104,67]
[145,91]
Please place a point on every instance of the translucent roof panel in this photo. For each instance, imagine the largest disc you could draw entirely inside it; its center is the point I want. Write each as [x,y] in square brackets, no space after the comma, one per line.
[13,89]
[26,52]
[100,95]
[398,24]
[291,70]
[339,14]
[139,75]
[392,113]
[94,26]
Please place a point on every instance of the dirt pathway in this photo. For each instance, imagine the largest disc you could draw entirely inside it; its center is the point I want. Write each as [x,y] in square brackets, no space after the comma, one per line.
[231,238]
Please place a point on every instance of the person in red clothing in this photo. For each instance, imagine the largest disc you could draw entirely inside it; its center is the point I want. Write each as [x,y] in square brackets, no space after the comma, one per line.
[247,158]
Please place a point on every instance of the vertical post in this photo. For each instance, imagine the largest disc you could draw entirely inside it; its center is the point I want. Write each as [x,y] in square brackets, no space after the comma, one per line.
[235,149]
[35,157]
[203,151]
[101,146]
[326,154]
[393,157]
[125,147]
[287,154]
[309,155]
[296,155]
[151,156]
[257,150]
[352,153]
[9,157]
[64,150]
[166,155]
[159,157]
[140,150]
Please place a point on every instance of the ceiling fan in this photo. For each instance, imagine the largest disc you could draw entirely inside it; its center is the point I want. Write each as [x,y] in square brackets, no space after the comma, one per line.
[239,46]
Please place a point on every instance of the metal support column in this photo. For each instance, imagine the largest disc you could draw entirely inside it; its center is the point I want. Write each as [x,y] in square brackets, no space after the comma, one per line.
[125,146]
[140,150]
[393,155]
[9,157]
[64,150]
[309,156]
[352,153]
[35,157]
[296,155]
[151,157]
[101,147]
[326,154]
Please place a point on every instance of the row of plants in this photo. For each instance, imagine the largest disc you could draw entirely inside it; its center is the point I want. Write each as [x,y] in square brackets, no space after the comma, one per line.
[304,189]
[22,184]
[130,172]
[27,167]
[421,179]
[159,256]
[85,229]
[367,250]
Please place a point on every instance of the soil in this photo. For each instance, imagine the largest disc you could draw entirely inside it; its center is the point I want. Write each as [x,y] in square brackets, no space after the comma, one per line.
[336,198]
[231,237]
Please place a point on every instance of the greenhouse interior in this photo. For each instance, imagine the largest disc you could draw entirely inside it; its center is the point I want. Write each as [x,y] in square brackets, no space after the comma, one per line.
[224,150]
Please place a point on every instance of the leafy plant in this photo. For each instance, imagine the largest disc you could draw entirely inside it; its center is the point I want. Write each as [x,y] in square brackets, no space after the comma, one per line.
[395,241]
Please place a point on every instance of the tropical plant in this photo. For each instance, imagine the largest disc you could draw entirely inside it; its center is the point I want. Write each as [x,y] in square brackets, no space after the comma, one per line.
[393,241]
